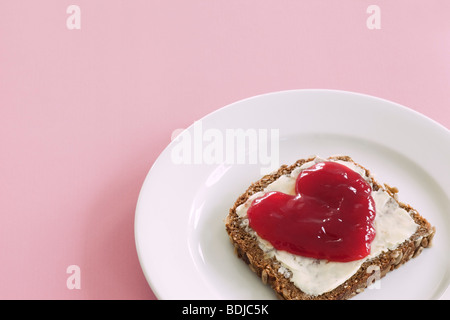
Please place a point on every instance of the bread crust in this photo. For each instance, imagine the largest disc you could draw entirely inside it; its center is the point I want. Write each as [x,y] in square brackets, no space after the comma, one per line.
[247,248]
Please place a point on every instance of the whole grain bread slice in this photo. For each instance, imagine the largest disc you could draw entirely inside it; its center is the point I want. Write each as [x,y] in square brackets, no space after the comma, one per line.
[267,268]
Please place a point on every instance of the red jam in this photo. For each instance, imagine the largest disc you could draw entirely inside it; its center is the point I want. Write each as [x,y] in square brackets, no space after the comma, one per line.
[331,217]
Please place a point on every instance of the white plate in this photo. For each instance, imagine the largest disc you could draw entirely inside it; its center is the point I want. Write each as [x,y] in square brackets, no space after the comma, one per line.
[181,240]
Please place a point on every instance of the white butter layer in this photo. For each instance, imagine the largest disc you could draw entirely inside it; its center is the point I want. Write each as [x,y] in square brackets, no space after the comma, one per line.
[393,225]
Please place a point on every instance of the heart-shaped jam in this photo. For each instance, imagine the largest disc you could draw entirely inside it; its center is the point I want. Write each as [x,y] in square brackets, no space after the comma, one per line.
[330,217]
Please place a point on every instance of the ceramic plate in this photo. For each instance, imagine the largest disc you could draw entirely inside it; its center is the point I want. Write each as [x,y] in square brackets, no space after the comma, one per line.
[181,240]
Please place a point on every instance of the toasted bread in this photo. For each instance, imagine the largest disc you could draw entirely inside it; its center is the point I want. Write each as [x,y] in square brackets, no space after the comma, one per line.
[277,275]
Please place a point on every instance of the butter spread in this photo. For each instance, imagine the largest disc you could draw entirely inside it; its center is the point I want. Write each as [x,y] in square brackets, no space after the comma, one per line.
[392,223]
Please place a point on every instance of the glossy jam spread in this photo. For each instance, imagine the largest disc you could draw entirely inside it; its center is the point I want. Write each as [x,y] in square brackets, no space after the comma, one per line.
[330,217]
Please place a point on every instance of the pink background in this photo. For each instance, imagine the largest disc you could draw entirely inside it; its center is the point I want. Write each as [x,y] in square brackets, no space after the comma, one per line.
[85,113]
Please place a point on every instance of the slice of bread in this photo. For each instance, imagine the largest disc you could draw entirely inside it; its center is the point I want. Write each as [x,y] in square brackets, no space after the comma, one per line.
[272,272]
